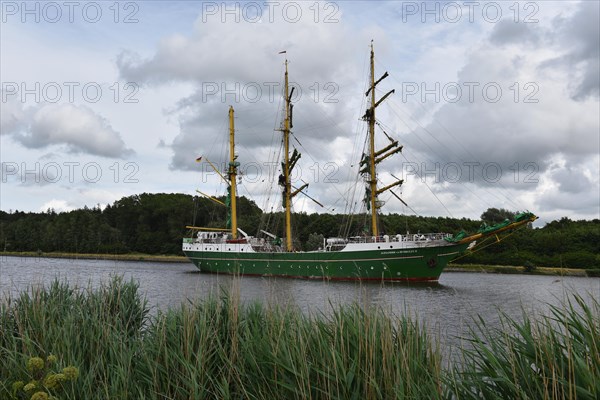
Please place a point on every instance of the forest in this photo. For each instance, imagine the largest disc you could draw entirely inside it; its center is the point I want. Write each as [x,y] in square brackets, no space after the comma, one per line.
[156,223]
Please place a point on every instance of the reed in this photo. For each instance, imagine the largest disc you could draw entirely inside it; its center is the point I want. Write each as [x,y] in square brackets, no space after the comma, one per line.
[554,356]
[94,330]
[222,348]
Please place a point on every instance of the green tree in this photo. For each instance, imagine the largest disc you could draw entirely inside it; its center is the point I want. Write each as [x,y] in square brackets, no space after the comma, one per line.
[495,215]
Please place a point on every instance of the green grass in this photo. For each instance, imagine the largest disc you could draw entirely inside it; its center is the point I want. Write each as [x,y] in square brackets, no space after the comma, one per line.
[555,356]
[221,348]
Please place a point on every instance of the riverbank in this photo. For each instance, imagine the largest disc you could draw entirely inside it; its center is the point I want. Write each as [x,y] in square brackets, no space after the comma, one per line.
[481,268]
[109,257]
[511,269]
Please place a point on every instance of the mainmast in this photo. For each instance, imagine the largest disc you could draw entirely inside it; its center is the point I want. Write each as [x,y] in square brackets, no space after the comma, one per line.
[369,162]
[372,172]
[232,174]
[288,165]
[286,169]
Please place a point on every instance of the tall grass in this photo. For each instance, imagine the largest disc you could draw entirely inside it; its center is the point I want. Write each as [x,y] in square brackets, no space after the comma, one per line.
[555,356]
[96,330]
[222,349]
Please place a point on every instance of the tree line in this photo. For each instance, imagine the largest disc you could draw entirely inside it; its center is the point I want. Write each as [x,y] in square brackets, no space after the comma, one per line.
[156,223]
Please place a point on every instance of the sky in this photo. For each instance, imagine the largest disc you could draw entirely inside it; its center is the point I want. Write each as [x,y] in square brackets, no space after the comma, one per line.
[496,104]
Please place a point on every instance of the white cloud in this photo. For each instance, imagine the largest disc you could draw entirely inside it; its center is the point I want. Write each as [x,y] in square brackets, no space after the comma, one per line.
[79,128]
[56,205]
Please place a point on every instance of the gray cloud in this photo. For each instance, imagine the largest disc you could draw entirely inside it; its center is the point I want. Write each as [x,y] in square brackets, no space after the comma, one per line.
[509,32]
[204,130]
[12,116]
[238,64]
[528,126]
[580,38]
[571,180]
[241,51]
[78,128]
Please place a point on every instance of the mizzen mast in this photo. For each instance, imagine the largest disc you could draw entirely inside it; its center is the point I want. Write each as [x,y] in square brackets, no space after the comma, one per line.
[231,181]
[369,162]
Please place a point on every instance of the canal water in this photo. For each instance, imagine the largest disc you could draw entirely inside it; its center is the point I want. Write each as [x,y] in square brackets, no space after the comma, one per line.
[447,307]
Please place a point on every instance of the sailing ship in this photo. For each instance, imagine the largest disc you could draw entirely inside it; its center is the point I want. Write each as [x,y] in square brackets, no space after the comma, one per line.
[376,256]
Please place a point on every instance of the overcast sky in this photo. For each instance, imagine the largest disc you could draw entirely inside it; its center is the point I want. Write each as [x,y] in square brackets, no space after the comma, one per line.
[495,103]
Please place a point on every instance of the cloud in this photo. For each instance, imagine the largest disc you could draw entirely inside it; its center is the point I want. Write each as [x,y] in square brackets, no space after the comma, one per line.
[238,63]
[57,205]
[579,37]
[12,116]
[78,128]
[517,114]
[572,188]
[243,51]
[509,32]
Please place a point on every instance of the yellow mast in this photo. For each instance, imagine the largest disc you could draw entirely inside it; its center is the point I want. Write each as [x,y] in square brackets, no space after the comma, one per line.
[375,157]
[231,182]
[232,175]
[286,171]
[372,172]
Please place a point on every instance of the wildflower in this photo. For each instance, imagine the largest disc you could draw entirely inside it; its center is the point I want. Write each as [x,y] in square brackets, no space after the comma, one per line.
[35,364]
[18,385]
[51,358]
[30,386]
[71,373]
[40,396]
[52,381]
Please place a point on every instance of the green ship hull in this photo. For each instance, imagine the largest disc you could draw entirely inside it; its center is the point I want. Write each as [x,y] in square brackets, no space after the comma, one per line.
[411,264]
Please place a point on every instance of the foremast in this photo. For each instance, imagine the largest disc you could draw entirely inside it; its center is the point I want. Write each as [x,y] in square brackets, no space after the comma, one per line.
[232,175]
[288,164]
[369,161]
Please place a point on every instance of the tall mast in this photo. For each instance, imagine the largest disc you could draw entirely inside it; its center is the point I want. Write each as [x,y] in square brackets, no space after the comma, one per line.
[233,164]
[369,162]
[289,161]
[286,169]
[372,172]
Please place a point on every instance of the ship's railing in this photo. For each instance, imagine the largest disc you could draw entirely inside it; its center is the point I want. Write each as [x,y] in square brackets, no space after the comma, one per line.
[211,237]
[410,237]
